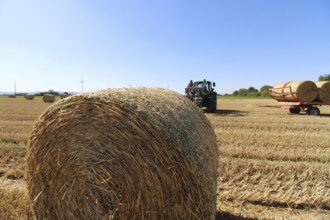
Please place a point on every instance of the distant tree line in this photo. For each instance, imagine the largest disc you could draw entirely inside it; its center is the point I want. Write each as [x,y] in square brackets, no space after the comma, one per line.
[325,77]
[253,92]
[50,92]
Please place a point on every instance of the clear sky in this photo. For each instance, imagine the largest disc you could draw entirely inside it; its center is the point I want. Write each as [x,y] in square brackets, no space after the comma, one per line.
[53,44]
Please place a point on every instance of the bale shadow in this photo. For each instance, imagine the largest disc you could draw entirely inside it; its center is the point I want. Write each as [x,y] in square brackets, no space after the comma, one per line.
[231,112]
[229,216]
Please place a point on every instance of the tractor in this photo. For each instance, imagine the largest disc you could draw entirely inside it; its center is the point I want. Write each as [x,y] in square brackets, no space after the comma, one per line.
[202,93]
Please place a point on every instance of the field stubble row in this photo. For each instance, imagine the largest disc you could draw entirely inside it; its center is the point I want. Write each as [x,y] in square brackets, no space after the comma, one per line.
[17,117]
[272,158]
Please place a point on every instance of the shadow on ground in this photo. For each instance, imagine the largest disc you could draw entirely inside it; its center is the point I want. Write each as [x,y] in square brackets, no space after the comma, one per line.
[231,112]
[228,216]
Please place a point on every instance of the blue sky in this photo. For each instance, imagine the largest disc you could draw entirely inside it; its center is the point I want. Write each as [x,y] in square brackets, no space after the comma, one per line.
[161,43]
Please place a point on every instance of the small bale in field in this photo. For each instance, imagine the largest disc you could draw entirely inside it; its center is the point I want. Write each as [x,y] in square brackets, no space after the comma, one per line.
[295,91]
[137,153]
[48,98]
[29,97]
[324,91]
[11,96]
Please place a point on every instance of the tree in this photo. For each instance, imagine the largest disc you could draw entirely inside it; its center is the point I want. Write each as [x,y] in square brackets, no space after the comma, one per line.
[235,93]
[242,92]
[265,88]
[51,91]
[253,92]
[252,89]
[325,77]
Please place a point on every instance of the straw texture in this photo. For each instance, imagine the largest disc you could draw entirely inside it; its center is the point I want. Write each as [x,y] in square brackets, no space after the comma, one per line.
[277,92]
[137,153]
[49,98]
[324,91]
[295,91]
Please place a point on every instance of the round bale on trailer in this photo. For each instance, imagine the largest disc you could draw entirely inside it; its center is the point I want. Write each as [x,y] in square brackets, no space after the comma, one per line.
[293,91]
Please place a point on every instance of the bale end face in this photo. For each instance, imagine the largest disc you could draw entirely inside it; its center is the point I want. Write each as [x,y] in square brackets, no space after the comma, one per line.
[123,154]
[29,97]
[48,98]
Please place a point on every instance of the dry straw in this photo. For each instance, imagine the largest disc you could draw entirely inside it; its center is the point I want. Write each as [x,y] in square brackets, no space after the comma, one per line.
[134,153]
[324,91]
[29,97]
[295,91]
[49,98]
[278,91]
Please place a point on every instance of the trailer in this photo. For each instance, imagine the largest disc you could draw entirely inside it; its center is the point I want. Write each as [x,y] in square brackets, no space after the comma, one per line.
[295,106]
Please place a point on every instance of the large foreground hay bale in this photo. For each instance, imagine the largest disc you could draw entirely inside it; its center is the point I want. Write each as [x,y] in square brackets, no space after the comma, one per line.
[123,154]
[305,91]
[29,97]
[49,98]
[324,91]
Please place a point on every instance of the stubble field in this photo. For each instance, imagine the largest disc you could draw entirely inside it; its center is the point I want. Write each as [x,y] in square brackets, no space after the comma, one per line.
[273,165]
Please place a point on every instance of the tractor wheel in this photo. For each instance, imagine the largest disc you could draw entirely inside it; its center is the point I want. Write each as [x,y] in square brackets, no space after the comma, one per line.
[211,105]
[294,110]
[314,111]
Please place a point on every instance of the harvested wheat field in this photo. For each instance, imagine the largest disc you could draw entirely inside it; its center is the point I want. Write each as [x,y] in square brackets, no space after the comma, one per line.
[272,164]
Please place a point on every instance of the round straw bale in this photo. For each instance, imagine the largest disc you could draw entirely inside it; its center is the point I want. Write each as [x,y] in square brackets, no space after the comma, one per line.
[49,98]
[305,91]
[324,91]
[278,91]
[29,97]
[135,153]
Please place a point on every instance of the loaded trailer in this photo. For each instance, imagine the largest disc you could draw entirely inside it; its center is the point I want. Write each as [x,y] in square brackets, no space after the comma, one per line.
[295,105]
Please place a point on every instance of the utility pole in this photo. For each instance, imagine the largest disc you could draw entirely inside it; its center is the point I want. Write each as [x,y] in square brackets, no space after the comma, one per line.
[82,84]
[15,86]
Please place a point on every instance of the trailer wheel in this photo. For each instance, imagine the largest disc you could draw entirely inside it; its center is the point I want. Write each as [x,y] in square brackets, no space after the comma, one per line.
[313,111]
[294,110]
